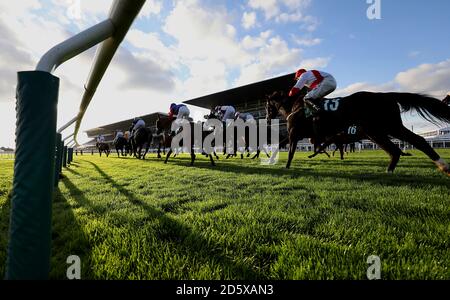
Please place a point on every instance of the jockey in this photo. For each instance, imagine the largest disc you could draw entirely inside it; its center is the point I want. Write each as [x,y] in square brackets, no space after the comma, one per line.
[320,84]
[100,138]
[180,111]
[244,116]
[227,112]
[137,124]
[127,135]
[119,134]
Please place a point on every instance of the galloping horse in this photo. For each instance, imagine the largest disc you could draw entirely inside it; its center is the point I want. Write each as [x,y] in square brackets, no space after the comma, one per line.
[103,147]
[120,143]
[246,139]
[164,124]
[378,115]
[141,140]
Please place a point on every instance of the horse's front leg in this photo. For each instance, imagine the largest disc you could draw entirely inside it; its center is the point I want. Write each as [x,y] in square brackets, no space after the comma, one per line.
[292,149]
[168,155]
[146,151]
[159,150]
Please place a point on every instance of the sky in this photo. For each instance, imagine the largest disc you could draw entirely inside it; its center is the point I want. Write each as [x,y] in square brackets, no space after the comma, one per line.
[180,49]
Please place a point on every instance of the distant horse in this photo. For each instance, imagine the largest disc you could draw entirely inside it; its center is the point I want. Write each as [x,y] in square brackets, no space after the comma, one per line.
[378,115]
[160,142]
[141,141]
[245,139]
[128,145]
[164,124]
[103,147]
[120,144]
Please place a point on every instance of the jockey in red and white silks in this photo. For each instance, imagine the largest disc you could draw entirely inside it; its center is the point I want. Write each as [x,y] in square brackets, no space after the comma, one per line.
[319,83]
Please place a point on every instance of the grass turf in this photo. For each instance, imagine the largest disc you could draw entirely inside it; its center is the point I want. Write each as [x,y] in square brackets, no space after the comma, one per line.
[130,219]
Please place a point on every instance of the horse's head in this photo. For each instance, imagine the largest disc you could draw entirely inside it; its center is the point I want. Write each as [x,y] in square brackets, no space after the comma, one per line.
[274,103]
[281,102]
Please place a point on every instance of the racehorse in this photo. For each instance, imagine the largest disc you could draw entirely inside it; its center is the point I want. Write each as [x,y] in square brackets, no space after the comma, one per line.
[120,143]
[164,124]
[141,140]
[103,147]
[378,115]
[246,139]
[161,142]
[129,144]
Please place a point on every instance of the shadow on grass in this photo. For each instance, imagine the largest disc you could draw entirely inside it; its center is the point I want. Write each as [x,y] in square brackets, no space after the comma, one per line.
[328,171]
[68,237]
[184,238]
[5,213]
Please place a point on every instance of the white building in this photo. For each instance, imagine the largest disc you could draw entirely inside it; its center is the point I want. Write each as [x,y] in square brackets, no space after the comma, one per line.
[438,138]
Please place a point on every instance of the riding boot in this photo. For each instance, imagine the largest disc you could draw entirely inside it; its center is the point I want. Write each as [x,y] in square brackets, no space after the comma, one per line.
[313,104]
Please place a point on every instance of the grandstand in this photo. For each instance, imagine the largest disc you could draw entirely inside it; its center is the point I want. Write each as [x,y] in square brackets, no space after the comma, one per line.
[439,138]
[108,130]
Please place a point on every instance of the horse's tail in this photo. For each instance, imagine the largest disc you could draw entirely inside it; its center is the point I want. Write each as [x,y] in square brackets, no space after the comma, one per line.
[429,108]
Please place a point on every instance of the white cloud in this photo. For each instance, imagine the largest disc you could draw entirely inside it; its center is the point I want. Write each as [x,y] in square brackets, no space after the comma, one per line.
[249,20]
[307,42]
[315,63]
[310,23]
[364,86]
[272,57]
[151,7]
[283,11]
[431,79]
[270,7]
[426,78]
[289,17]
[253,42]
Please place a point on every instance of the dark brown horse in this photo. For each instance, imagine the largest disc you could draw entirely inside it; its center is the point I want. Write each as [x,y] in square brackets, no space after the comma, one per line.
[120,144]
[164,124]
[141,141]
[103,147]
[378,115]
[245,139]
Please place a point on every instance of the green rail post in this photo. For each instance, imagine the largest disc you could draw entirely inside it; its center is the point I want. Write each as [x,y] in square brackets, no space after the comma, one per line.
[34,168]
[60,163]
[64,157]
[57,158]
[69,155]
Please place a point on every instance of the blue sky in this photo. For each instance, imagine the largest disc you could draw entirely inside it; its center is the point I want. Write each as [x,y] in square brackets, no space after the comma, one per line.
[177,50]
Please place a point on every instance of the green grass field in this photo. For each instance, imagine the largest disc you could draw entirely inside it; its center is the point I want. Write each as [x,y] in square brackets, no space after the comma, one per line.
[129,219]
